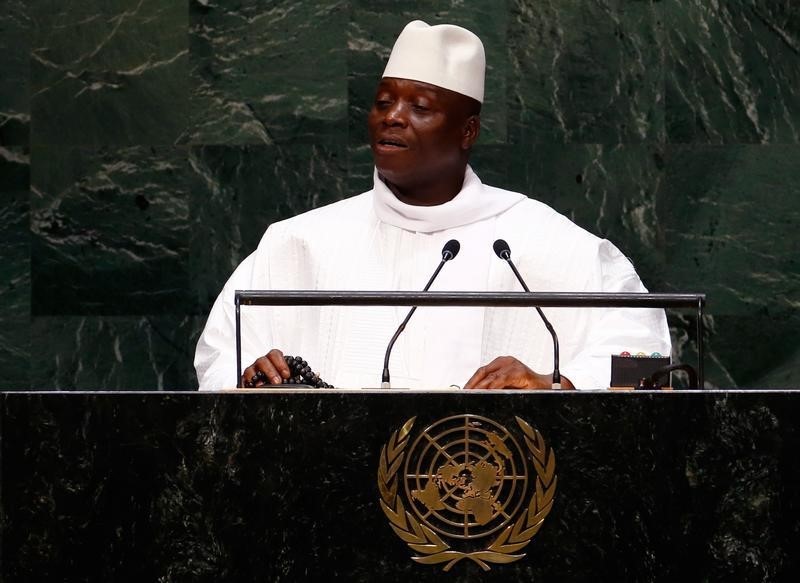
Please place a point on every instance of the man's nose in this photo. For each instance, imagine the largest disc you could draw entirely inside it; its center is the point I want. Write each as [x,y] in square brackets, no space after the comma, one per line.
[396,115]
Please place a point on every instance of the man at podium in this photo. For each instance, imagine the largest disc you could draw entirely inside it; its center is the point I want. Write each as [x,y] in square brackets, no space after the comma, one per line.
[423,123]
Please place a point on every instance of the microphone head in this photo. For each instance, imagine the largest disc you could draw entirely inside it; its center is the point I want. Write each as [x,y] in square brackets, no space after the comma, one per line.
[501,249]
[450,249]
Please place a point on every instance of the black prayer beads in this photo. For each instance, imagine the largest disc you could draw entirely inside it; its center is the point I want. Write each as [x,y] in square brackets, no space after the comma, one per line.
[299,374]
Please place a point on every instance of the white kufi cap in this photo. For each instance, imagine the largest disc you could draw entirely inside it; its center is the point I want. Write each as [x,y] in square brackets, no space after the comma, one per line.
[443,55]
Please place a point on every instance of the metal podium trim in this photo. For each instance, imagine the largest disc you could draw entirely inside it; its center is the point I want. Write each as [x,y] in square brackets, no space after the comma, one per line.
[486,299]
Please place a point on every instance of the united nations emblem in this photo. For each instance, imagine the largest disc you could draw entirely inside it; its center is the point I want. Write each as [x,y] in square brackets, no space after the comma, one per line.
[464,489]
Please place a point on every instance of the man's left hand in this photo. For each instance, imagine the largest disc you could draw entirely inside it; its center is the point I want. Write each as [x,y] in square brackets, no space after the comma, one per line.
[506,372]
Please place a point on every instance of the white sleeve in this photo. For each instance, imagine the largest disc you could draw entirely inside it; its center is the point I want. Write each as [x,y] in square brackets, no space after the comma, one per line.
[614,330]
[215,355]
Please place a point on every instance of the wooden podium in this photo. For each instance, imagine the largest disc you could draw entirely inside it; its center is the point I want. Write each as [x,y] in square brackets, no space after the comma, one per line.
[293,486]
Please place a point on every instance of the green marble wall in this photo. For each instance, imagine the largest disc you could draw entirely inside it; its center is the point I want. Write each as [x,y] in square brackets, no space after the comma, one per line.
[145,145]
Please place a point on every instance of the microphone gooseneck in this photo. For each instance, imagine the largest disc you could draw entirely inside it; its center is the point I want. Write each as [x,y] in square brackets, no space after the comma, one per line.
[449,251]
[503,251]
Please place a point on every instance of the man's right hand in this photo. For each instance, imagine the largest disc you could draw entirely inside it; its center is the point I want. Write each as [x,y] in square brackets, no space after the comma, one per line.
[270,369]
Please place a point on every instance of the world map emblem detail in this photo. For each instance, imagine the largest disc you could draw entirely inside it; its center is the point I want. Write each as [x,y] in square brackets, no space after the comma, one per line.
[466,488]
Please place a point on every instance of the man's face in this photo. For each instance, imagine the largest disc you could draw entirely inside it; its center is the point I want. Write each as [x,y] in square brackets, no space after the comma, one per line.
[418,132]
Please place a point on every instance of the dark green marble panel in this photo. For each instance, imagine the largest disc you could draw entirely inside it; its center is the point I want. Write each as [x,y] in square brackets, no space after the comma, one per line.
[585,72]
[609,190]
[109,72]
[733,71]
[492,163]
[15,46]
[15,283]
[265,72]
[120,353]
[730,216]
[238,191]
[265,487]
[110,231]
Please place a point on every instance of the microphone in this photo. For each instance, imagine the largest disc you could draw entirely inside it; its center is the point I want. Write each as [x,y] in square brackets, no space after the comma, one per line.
[503,251]
[449,251]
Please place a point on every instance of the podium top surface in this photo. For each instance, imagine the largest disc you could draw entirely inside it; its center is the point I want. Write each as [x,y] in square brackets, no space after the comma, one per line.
[401,391]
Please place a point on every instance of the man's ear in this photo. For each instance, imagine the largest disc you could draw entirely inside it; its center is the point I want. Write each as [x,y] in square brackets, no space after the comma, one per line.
[472,129]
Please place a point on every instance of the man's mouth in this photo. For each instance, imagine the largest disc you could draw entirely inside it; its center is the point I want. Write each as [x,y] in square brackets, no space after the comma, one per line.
[391,143]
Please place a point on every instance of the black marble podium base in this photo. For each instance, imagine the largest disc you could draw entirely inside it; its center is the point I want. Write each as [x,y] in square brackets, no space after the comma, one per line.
[270,486]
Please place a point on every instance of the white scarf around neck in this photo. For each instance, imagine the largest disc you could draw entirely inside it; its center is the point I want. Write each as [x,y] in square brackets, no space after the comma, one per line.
[473,203]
